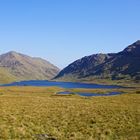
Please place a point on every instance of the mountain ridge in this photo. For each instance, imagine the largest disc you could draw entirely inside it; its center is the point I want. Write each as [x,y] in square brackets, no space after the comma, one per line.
[115,66]
[24,67]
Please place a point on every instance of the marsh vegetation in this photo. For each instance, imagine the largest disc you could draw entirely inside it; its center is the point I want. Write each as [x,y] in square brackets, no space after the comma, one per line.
[37,112]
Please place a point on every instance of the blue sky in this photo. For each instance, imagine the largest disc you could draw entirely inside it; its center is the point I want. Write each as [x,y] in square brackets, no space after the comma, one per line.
[62,31]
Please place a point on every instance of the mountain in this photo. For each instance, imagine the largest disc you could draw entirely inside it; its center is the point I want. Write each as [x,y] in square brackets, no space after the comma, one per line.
[15,66]
[122,65]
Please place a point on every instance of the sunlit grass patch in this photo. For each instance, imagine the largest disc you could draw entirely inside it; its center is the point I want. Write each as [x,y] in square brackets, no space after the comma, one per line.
[28,112]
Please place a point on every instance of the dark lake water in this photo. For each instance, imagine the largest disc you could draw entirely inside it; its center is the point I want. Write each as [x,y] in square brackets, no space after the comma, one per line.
[90,94]
[61,84]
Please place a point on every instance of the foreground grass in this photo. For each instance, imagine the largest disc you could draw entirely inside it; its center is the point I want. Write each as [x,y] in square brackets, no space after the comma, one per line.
[38,113]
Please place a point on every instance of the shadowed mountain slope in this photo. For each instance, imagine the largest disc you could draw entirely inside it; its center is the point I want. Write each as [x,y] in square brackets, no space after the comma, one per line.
[122,65]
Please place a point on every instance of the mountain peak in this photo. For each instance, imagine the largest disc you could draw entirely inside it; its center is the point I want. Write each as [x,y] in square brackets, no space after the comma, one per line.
[133,49]
[12,53]
[137,42]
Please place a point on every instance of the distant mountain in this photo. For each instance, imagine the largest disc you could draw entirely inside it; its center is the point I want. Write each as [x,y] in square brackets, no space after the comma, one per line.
[122,65]
[15,66]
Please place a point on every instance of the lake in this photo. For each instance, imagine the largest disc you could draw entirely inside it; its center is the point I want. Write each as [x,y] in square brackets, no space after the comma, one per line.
[61,84]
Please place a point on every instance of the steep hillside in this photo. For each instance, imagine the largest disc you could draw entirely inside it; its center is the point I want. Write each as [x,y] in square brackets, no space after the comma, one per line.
[18,66]
[122,65]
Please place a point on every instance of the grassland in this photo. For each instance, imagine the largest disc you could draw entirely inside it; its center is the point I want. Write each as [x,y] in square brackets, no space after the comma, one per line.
[38,113]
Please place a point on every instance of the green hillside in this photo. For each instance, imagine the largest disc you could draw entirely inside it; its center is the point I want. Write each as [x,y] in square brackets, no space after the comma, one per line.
[6,76]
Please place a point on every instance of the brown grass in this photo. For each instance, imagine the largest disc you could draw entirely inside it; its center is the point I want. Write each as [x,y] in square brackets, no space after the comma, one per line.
[35,113]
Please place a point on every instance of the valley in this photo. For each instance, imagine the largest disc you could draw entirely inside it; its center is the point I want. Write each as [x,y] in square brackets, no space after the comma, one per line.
[96,97]
[69,70]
